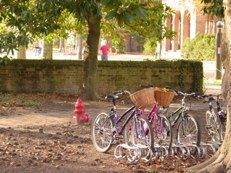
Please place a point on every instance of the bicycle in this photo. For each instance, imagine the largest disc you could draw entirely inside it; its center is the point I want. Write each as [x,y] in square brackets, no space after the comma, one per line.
[162,129]
[188,130]
[215,117]
[135,129]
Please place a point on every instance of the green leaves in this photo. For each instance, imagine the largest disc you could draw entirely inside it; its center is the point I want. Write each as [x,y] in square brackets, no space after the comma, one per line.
[35,18]
[125,12]
[214,7]
[10,41]
[202,47]
[5,60]
[153,26]
[86,8]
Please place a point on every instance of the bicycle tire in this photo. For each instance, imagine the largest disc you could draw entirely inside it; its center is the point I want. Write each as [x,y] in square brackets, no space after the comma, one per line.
[139,134]
[188,131]
[222,132]
[216,133]
[162,131]
[102,132]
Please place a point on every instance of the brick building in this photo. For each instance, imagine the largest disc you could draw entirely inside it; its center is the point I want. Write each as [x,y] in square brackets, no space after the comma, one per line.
[187,21]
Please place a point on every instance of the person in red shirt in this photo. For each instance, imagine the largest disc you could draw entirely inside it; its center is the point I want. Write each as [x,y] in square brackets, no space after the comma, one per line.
[104,49]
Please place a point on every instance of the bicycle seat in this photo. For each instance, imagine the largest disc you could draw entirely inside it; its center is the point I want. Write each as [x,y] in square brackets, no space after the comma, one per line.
[112,98]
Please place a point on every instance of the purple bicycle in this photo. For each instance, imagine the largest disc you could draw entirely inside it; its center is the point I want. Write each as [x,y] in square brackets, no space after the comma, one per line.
[135,129]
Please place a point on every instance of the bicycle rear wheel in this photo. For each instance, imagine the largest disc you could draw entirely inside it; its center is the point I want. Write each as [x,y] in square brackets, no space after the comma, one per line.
[102,132]
[188,131]
[215,129]
[138,132]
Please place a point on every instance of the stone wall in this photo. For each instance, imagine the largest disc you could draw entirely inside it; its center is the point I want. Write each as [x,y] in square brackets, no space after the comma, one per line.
[60,76]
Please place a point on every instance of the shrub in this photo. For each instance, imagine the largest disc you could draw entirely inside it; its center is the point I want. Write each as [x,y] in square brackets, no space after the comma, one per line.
[5,59]
[149,47]
[202,47]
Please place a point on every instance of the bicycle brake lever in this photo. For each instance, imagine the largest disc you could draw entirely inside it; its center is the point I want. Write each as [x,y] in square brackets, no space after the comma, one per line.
[117,92]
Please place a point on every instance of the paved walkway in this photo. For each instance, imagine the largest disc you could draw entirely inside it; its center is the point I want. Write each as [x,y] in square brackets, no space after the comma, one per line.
[212,89]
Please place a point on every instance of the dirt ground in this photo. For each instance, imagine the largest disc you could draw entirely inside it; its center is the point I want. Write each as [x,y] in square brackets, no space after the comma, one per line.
[42,136]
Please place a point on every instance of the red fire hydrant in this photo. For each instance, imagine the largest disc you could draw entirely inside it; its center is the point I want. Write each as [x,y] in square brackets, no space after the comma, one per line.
[79,112]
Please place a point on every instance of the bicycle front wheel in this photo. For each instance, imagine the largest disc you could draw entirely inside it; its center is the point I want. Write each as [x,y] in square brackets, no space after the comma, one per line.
[138,132]
[188,131]
[102,132]
[214,127]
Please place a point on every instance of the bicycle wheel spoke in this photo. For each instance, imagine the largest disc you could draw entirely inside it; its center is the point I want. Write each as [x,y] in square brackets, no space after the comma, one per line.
[102,132]
[138,133]
[212,127]
[188,131]
[162,131]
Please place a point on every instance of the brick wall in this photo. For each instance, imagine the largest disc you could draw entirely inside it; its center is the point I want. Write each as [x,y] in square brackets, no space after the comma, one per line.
[45,76]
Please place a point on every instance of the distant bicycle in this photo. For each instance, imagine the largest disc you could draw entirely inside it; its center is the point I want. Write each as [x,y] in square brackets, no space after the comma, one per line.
[215,117]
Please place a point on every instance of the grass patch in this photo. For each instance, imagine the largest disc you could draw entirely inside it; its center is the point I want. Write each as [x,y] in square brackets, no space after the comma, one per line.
[212,81]
[21,100]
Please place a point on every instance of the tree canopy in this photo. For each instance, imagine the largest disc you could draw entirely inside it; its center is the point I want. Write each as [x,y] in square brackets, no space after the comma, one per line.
[214,7]
[26,19]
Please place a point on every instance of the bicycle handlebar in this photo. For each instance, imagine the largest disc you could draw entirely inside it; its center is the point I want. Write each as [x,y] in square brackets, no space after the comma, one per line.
[210,97]
[121,92]
[180,93]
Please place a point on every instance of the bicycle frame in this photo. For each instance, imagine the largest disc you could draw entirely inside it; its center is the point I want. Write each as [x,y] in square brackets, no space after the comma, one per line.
[113,115]
[210,101]
[152,117]
[177,112]
[114,126]
[180,112]
[211,109]
[218,105]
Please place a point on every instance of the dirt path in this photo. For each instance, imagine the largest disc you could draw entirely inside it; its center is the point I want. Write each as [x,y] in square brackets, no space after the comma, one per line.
[46,139]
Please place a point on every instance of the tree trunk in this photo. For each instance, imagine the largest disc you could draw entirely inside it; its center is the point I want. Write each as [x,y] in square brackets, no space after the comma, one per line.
[62,45]
[91,62]
[221,161]
[47,49]
[79,47]
[22,52]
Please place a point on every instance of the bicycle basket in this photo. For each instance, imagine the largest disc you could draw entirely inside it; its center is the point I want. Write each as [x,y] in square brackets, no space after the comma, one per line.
[163,96]
[143,98]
